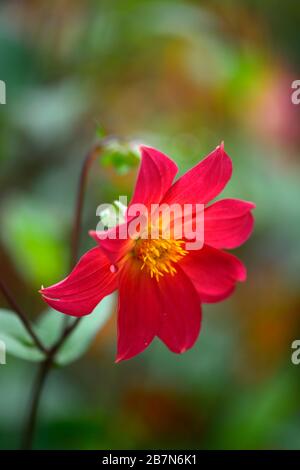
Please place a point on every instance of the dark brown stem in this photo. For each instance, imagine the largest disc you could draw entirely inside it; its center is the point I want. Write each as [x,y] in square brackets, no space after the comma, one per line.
[10,299]
[45,367]
[38,386]
[66,333]
[30,423]
[90,157]
[76,229]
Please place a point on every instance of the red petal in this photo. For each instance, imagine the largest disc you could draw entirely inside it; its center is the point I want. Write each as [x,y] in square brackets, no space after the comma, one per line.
[138,312]
[80,292]
[156,175]
[228,223]
[169,309]
[180,312]
[214,273]
[203,182]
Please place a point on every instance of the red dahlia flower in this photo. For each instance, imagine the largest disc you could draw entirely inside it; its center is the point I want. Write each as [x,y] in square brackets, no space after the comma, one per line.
[161,283]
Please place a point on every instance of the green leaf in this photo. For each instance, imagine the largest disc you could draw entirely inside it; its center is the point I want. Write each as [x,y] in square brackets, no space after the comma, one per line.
[100,131]
[122,157]
[51,323]
[17,340]
[49,327]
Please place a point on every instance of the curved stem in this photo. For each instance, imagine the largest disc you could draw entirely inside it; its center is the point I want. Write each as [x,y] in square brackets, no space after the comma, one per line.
[65,334]
[89,159]
[30,423]
[45,367]
[10,299]
[43,372]
[75,238]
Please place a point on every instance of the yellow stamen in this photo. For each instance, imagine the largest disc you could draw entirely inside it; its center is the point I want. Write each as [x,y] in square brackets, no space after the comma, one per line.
[158,256]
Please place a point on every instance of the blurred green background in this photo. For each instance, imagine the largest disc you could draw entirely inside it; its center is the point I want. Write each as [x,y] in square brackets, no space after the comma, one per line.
[182,76]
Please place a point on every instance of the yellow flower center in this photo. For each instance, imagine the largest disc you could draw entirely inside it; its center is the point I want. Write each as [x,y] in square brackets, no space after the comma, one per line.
[159,256]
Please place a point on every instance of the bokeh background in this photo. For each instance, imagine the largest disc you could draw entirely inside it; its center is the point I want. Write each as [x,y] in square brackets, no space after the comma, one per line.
[182,76]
